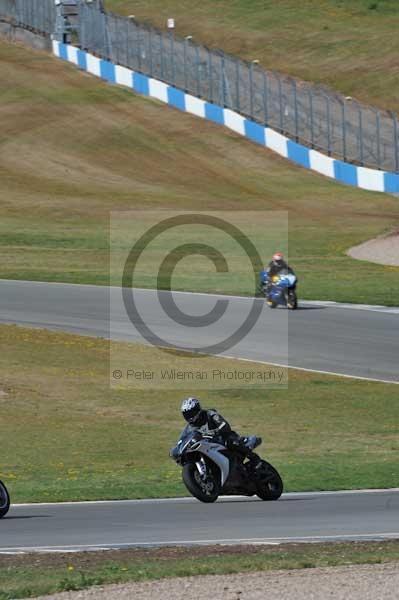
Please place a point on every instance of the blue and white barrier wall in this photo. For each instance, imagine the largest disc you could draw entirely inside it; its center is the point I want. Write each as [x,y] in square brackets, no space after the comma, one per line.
[361,177]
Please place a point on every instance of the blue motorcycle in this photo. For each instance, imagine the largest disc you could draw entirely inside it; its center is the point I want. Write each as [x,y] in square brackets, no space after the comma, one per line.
[279,289]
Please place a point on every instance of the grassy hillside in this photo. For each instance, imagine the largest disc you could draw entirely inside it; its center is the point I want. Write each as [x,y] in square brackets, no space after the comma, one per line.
[73,148]
[350,45]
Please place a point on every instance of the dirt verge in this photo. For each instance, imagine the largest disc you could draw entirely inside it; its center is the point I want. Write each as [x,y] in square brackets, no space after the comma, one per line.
[96,558]
[383,250]
[365,582]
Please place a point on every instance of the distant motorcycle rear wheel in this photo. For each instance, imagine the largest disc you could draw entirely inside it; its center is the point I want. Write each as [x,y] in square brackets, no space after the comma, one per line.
[4,500]
[270,485]
[205,491]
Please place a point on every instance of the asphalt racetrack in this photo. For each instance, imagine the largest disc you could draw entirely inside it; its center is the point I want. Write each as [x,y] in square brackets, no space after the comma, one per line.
[353,341]
[325,337]
[309,517]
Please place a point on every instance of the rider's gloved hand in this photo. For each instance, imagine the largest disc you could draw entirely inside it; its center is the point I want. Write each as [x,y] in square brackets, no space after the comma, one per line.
[233,443]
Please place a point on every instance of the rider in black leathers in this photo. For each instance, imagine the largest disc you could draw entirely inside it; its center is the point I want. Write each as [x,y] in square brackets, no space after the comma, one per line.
[210,422]
[275,266]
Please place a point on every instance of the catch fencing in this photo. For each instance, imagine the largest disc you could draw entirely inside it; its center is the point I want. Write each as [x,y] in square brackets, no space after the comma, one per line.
[37,15]
[308,114]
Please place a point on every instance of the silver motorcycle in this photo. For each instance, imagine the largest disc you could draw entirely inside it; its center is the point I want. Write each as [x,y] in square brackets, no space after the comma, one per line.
[210,469]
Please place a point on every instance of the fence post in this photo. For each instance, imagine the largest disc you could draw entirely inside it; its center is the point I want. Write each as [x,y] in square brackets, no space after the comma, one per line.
[265,88]
[311,118]
[172,51]
[127,48]
[198,72]
[138,46]
[39,18]
[237,85]
[395,141]
[360,133]
[280,100]
[47,19]
[107,40]
[117,38]
[222,82]
[210,75]
[150,51]
[327,99]
[344,130]
[295,109]
[109,23]
[161,53]
[185,63]
[251,98]
[80,26]
[104,50]
[378,138]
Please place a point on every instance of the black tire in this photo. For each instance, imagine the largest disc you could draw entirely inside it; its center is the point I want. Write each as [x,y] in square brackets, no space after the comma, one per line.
[192,482]
[271,304]
[270,485]
[4,500]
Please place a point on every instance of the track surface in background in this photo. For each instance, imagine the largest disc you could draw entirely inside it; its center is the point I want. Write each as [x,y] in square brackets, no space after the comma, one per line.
[321,337]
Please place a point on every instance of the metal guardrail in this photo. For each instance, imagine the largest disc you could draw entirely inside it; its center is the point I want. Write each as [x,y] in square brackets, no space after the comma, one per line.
[309,114]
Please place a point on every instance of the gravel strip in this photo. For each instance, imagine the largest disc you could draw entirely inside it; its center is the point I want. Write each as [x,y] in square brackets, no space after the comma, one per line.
[357,582]
[382,250]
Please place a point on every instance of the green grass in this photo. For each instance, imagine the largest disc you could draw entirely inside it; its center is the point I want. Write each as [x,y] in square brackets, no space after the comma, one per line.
[67,436]
[33,575]
[348,45]
[73,149]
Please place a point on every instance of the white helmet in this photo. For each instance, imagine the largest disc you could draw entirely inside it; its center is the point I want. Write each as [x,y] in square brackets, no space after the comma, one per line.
[190,409]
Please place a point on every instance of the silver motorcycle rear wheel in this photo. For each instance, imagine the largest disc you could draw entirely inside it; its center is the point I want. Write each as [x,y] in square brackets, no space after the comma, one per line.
[270,485]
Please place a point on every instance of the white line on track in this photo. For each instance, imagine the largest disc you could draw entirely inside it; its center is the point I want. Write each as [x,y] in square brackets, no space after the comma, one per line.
[294,367]
[184,499]
[326,303]
[227,541]
[307,370]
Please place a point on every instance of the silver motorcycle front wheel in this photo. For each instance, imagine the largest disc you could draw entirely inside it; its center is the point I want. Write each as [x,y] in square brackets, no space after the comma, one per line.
[203,487]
